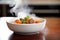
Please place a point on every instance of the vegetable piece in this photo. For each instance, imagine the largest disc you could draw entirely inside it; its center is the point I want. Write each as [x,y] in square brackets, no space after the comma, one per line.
[23,20]
[18,21]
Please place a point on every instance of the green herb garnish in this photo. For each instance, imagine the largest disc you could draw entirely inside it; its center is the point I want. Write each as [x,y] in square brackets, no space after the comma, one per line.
[26,18]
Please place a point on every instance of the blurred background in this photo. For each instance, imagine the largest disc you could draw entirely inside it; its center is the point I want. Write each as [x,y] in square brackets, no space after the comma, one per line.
[40,7]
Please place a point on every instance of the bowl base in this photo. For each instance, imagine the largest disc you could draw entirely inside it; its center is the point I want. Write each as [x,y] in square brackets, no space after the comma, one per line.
[26,33]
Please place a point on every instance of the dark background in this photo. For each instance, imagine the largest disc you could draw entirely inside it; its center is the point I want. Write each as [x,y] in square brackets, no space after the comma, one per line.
[5,10]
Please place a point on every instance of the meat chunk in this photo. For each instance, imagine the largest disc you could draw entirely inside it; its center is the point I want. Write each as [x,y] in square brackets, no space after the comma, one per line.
[30,21]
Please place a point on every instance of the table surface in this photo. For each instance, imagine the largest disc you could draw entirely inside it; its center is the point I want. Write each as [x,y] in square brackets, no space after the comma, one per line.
[52,32]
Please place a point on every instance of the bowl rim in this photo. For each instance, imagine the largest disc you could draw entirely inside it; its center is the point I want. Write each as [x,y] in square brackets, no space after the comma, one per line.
[44,20]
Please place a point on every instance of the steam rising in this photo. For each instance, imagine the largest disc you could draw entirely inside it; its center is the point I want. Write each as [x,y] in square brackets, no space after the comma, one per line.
[20,8]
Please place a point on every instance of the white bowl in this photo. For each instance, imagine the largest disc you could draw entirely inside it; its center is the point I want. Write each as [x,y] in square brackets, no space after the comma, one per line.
[26,28]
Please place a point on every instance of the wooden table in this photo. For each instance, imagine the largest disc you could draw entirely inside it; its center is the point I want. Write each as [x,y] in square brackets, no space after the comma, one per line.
[53,31]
